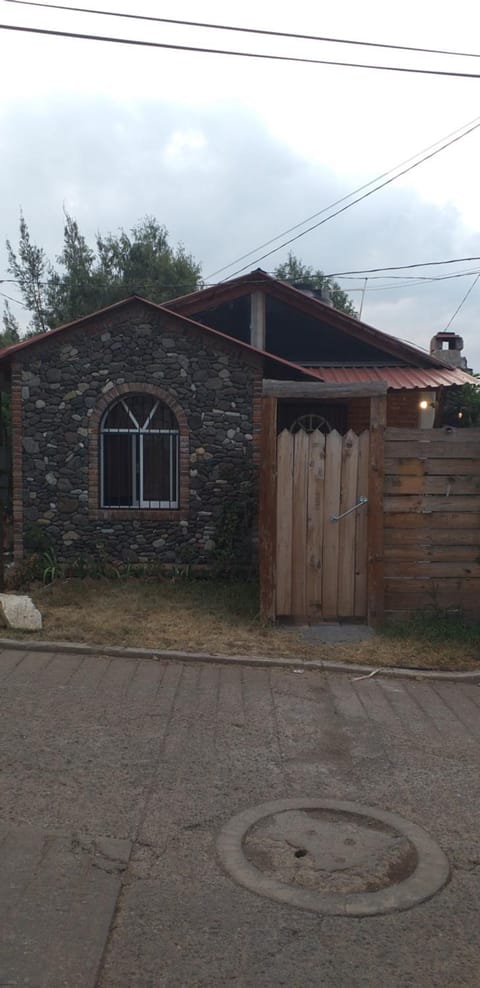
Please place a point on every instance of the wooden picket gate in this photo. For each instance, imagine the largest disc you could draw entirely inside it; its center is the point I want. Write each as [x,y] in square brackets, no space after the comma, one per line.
[314,565]
[321,559]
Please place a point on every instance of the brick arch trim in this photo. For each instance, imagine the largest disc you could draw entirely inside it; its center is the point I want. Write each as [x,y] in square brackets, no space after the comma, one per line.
[113,394]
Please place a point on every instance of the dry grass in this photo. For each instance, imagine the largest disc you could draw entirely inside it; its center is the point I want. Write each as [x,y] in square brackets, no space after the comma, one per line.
[214,617]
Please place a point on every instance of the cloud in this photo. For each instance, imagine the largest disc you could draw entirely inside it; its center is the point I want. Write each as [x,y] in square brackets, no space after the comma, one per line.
[222,185]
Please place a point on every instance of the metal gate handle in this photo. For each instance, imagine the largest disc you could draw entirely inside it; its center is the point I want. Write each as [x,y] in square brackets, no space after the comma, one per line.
[361,500]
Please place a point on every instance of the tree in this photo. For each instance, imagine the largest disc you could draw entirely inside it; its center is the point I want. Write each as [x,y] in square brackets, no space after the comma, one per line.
[11,328]
[461,406]
[294,270]
[86,278]
[30,267]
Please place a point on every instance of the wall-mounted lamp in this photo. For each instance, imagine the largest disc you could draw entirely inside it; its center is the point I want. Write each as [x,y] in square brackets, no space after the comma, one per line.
[423,404]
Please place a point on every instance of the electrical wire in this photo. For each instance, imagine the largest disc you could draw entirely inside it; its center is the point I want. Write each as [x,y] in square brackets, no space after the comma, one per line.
[401,267]
[408,285]
[186,289]
[245,30]
[237,54]
[464,299]
[16,300]
[409,277]
[354,202]
[338,202]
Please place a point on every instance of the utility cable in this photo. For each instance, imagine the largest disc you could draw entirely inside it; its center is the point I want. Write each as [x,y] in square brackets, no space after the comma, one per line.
[338,202]
[245,30]
[401,267]
[464,299]
[408,277]
[354,202]
[77,35]
[16,300]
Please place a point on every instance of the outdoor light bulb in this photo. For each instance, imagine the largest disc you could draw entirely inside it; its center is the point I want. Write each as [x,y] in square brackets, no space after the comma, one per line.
[460,415]
[424,404]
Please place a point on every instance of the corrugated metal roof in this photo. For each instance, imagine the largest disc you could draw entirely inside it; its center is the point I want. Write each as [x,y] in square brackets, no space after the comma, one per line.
[396,377]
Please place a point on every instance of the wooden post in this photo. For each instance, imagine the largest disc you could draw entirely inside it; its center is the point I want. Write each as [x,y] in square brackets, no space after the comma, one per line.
[257,320]
[375,580]
[2,547]
[267,514]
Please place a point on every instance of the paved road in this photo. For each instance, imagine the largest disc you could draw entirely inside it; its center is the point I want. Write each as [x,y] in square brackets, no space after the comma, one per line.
[117,775]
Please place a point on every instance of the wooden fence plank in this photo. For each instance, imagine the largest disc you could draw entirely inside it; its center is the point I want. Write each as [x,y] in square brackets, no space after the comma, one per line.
[399,466]
[434,537]
[423,504]
[402,614]
[333,465]
[399,554]
[435,520]
[284,523]
[447,484]
[299,553]
[453,465]
[375,589]
[432,466]
[316,494]
[347,525]
[424,450]
[432,570]
[447,435]
[267,513]
[361,557]
[323,391]
[424,585]
[442,600]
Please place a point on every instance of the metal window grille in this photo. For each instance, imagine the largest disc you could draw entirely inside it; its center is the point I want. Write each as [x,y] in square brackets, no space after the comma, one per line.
[139,461]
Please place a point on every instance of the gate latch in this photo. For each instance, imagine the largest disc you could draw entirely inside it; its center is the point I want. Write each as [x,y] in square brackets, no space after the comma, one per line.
[361,500]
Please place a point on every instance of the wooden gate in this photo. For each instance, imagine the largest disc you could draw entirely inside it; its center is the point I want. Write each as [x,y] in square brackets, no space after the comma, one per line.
[321,557]
[315,565]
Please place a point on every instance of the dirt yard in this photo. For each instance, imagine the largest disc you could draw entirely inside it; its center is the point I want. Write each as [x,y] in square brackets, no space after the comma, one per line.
[214,617]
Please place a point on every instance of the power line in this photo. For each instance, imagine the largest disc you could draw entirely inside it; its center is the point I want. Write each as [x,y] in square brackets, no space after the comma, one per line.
[245,30]
[16,300]
[238,54]
[424,283]
[338,202]
[401,267]
[382,185]
[408,277]
[464,299]
[405,281]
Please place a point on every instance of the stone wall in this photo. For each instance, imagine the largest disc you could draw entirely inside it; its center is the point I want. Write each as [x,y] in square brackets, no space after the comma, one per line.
[62,385]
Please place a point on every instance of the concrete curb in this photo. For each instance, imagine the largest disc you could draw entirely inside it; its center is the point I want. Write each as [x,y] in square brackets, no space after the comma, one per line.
[327,665]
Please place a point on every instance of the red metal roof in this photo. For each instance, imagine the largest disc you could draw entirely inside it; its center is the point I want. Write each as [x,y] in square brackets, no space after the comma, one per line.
[396,377]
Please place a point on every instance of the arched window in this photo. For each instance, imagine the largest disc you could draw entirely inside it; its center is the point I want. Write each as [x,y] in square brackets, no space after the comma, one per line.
[139,441]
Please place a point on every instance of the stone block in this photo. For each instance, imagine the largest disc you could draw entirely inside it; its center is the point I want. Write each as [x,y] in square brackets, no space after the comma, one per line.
[19,611]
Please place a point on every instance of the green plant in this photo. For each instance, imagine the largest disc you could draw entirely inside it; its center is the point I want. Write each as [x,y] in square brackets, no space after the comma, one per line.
[50,566]
[36,540]
[232,556]
[435,626]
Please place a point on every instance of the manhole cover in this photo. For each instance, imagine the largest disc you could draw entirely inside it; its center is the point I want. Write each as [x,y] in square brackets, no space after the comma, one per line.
[332,857]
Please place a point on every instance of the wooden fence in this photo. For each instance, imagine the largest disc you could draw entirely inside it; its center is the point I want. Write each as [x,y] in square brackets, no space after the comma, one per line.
[432,520]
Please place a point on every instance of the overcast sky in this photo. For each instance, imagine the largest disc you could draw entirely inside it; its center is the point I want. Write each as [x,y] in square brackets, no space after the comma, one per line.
[228,152]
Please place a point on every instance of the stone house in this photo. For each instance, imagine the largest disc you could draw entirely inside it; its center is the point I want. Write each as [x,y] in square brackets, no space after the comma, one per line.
[136,430]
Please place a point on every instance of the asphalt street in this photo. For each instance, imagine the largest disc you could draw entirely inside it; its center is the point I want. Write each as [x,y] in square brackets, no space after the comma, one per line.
[117,776]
